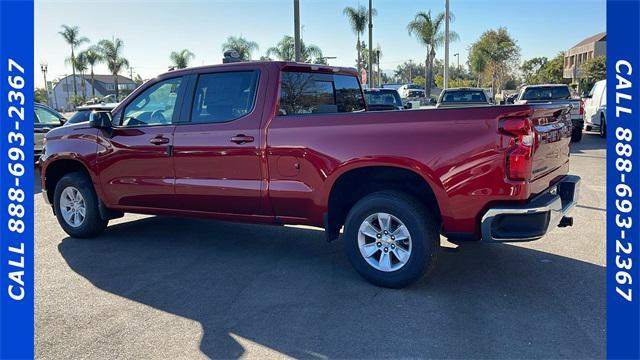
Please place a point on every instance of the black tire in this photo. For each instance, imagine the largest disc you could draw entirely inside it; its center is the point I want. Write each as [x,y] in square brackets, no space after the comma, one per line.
[92,224]
[576,135]
[423,227]
[603,126]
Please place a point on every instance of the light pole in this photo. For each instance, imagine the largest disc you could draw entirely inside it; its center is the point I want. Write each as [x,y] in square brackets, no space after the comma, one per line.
[446,44]
[43,68]
[378,63]
[457,55]
[372,85]
[296,28]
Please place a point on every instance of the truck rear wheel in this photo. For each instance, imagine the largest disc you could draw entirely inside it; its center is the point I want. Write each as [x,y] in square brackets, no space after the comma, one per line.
[576,135]
[76,206]
[603,126]
[391,239]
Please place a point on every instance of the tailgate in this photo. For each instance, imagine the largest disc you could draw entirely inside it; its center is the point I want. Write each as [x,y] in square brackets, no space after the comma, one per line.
[552,127]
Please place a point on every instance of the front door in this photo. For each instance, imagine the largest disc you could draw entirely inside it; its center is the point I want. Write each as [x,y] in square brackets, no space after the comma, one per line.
[217,145]
[135,157]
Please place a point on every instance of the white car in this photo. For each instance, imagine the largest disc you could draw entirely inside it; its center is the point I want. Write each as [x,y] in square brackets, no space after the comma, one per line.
[595,108]
[411,91]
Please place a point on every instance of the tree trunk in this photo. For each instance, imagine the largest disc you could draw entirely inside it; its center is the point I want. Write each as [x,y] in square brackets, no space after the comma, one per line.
[115,80]
[73,71]
[93,87]
[359,57]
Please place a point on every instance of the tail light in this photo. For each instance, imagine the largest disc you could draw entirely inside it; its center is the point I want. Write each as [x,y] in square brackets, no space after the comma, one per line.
[581,107]
[520,152]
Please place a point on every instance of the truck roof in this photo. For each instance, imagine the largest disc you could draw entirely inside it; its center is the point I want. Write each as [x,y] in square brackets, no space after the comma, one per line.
[289,65]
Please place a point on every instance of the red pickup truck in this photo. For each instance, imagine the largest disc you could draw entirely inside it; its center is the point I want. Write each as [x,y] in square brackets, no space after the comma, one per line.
[291,143]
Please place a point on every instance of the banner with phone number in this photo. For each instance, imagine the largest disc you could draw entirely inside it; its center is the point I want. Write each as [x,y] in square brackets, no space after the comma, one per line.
[623,181]
[16,179]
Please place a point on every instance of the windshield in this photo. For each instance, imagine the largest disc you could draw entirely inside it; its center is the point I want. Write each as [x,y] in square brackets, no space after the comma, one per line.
[383,98]
[464,96]
[546,93]
[79,116]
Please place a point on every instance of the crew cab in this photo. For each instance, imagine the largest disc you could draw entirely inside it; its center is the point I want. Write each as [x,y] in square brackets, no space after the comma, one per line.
[291,143]
[463,97]
[559,94]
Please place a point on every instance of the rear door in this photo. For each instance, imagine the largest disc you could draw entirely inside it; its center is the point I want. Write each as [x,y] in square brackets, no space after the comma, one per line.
[135,158]
[217,144]
[44,120]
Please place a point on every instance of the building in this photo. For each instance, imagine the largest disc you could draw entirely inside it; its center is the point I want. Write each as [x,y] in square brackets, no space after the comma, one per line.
[104,86]
[586,49]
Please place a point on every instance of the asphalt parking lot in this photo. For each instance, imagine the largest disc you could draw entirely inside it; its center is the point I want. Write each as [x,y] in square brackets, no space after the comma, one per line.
[158,287]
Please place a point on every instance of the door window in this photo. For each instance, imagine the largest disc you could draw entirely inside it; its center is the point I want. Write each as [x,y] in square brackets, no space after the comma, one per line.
[44,116]
[224,96]
[155,106]
[305,93]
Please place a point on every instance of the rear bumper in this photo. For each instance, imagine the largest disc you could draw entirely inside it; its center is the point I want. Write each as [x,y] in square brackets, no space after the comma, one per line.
[532,220]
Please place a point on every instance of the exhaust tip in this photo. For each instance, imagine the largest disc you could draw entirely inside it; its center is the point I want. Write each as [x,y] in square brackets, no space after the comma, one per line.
[566,221]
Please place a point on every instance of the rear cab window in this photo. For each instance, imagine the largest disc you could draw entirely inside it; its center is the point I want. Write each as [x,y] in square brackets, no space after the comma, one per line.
[311,93]
[464,96]
[547,93]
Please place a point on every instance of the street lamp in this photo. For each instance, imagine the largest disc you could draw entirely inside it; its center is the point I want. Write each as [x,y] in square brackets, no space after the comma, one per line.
[457,55]
[43,68]
[296,30]
[371,44]
[446,44]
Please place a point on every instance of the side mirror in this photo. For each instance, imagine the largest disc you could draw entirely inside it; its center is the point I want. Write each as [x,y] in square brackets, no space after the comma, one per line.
[63,120]
[100,119]
[586,95]
[408,106]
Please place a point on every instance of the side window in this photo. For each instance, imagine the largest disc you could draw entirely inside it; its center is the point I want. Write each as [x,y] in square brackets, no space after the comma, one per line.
[44,116]
[348,95]
[155,106]
[225,96]
[305,93]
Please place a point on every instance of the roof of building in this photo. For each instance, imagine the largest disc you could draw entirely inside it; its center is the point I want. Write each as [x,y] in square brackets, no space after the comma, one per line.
[591,39]
[108,79]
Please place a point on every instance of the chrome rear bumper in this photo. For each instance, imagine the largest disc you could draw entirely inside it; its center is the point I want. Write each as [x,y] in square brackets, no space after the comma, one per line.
[531,221]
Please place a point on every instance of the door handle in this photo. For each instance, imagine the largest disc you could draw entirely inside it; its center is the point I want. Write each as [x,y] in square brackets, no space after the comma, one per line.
[159,140]
[242,139]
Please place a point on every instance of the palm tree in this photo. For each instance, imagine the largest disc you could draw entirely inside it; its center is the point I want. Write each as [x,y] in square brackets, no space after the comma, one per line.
[71,35]
[359,19]
[285,50]
[242,46]
[112,54]
[93,57]
[81,65]
[180,59]
[429,32]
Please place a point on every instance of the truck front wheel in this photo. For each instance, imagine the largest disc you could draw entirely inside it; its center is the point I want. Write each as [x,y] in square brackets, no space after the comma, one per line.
[76,206]
[391,239]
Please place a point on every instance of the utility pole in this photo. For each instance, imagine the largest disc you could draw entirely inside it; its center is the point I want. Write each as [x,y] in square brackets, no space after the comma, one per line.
[410,71]
[446,44]
[43,67]
[457,55]
[296,28]
[371,82]
[378,62]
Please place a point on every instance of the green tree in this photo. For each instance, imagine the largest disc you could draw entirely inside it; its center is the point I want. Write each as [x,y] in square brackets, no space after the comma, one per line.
[552,71]
[112,53]
[407,71]
[242,46]
[93,57]
[40,96]
[71,35]
[285,50]
[531,68]
[180,59]
[428,30]
[593,70]
[358,19]
[494,56]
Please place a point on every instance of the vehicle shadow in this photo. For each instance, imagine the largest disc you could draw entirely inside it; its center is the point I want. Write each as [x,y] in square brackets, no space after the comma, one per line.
[590,141]
[290,291]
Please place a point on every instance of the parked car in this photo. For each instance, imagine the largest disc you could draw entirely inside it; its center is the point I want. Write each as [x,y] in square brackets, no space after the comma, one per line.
[291,143]
[559,94]
[383,99]
[82,112]
[463,97]
[595,108]
[411,91]
[45,119]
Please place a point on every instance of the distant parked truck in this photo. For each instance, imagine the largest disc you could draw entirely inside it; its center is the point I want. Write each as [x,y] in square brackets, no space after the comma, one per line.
[464,97]
[595,108]
[559,94]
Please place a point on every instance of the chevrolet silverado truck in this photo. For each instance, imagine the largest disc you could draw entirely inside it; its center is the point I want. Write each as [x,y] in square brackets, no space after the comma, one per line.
[291,143]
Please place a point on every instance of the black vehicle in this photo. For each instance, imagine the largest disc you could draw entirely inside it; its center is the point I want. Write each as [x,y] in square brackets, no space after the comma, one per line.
[45,119]
[82,112]
[383,99]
